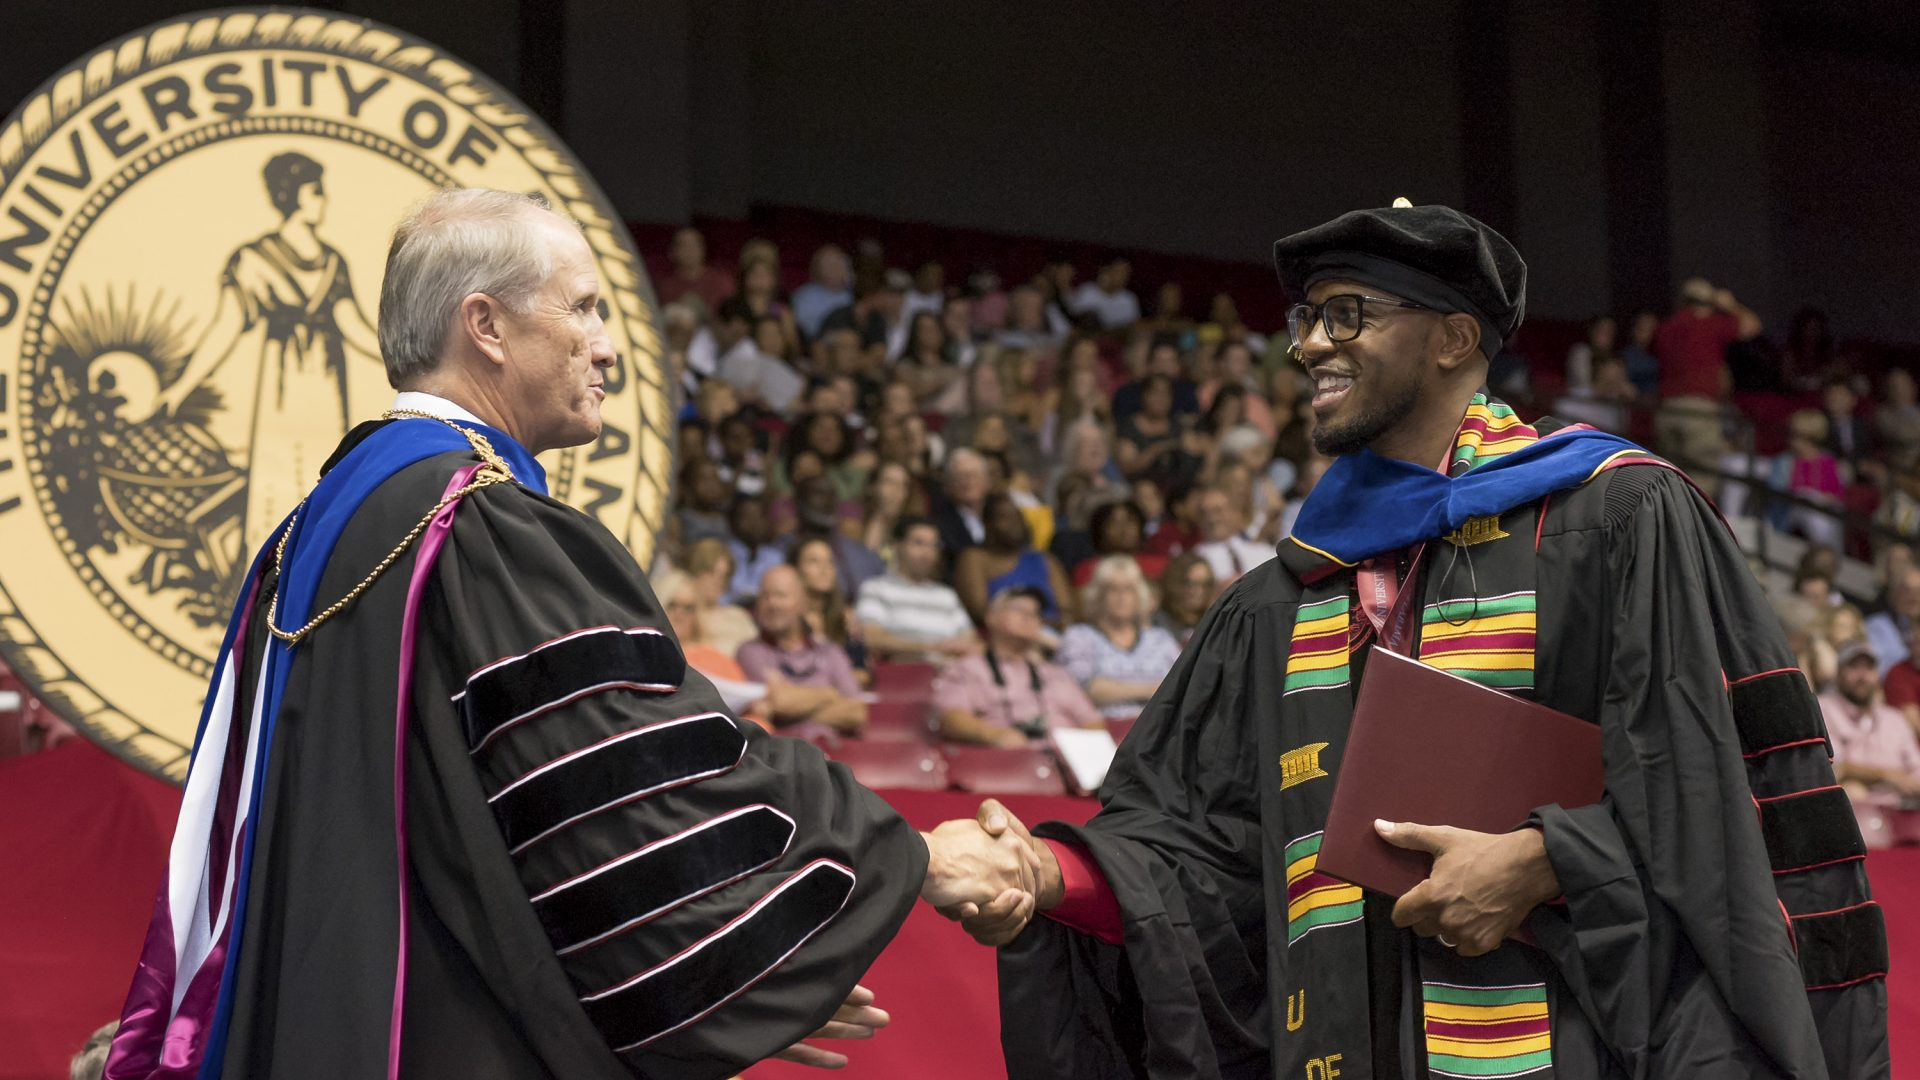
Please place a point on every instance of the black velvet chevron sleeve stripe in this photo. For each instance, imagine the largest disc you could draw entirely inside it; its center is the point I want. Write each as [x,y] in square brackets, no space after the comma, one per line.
[660,876]
[616,771]
[1775,710]
[514,689]
[1840,948]
[1810,828]
[726,963]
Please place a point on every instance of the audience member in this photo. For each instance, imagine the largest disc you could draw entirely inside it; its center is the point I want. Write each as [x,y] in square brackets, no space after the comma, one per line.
[742,460]
[963,501]
[787,652]
[1027,325]
[1153,441]
[1643,369]
[908,615]
[929,291]
[1598,344]
[1107,297]
[680,597]
[1874,749]
[923,364]
[1808,357]
[956,322]
[1888,631]
[688,274]
[760,377]
[1009,694]
[1896,420]
[1850,436]
[1179,531]
[1187,588]
[91,1062]
[1162,359]
[820,515]
[703,499]
[1223,540]
[1233,366]
[1117,655]
[989,308]
[1117,528]
[1902,684]
[1006,557]
[753,545]
[829,614]
[829,287]
[1808,472]
[1691,346]
[723,626]
[1899,511]
[759,288]
[891,497]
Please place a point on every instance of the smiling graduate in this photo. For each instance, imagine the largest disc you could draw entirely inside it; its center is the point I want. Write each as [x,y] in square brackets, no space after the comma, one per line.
[1710,917]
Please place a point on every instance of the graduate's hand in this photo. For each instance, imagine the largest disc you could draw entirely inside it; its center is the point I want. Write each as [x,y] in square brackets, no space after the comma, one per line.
[857,1019]
[1482,885]
[968,869]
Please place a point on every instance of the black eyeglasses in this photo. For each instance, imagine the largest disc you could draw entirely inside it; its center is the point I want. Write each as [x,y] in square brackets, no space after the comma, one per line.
[1339,316]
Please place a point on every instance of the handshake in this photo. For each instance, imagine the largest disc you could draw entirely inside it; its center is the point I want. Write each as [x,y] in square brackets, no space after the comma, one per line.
[989,874]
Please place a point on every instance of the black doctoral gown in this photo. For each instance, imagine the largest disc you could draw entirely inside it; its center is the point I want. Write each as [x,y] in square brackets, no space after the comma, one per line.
[609,876]
[1716,921]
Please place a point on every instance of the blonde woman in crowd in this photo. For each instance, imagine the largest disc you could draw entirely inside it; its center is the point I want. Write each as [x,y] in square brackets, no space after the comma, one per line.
[1118,656]
[723,626]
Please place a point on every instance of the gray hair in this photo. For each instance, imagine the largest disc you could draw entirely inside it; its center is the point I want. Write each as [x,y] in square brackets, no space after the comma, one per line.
[458,242]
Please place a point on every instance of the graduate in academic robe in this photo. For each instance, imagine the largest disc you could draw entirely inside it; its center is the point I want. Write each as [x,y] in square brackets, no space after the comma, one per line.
[458,806]
[1710,917]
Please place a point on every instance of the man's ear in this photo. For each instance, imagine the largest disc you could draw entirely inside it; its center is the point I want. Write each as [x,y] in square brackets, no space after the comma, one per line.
[1459,340]
[480,320]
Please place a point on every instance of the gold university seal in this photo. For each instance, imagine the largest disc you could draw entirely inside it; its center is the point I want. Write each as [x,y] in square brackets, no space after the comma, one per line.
[193,226]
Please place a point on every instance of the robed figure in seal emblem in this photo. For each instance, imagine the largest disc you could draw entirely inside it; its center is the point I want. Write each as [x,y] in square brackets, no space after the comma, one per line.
[295,287]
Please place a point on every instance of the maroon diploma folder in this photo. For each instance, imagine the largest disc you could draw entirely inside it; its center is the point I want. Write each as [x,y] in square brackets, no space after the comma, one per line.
[1432,747]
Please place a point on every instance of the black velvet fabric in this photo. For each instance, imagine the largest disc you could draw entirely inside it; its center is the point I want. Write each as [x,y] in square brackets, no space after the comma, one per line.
[1432,255]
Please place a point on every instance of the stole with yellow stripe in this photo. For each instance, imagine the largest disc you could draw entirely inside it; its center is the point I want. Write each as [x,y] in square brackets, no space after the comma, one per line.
[1477,1017]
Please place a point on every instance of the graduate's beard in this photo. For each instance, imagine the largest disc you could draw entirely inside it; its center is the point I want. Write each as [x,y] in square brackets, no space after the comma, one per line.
[1360,432]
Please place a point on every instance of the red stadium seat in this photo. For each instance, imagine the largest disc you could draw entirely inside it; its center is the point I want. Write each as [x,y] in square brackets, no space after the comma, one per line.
[899,721]
[881,763]
[990,770]
[1119,728]
[904,681]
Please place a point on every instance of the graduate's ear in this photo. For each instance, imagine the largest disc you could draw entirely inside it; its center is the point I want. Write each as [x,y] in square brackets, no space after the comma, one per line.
[1459,340]
[480,321]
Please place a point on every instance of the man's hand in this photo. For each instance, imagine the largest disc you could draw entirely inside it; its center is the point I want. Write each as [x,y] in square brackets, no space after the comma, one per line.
[1010,738]
[969,869]
[1001,921]
[857,1019]
[1482,885]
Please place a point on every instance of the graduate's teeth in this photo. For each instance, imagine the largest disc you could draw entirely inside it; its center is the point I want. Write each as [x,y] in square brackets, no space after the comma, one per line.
[1329,388]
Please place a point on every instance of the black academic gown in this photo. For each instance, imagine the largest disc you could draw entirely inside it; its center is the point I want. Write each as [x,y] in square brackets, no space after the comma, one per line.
[1672,955]
[600,857]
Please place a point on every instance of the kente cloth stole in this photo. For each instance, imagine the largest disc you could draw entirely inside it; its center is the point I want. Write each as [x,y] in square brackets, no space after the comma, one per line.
[1481,1017]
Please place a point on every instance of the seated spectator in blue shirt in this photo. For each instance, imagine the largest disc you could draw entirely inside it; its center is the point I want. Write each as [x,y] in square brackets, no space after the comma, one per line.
[828,288]
[753,545]
[1118,656]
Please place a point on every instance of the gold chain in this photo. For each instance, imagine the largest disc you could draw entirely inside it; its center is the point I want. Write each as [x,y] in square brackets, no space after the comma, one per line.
[493,470]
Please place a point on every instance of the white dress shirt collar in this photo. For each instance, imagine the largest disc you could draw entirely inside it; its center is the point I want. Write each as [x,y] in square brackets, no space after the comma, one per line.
[434,405]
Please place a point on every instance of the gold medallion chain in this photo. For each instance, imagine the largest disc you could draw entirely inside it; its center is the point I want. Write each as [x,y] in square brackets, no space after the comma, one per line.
[493,470]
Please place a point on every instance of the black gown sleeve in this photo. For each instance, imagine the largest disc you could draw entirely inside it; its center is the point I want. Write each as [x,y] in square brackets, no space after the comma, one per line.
[1675,936]
[1178,840]
[611,847]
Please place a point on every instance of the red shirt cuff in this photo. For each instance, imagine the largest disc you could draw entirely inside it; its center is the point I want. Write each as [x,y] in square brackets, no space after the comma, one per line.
[1087,903]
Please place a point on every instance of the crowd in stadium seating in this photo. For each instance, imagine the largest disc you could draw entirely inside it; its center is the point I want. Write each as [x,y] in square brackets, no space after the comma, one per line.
[1039,485]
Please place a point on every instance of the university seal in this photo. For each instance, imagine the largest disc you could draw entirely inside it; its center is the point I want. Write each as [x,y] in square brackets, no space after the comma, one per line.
[193,226]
